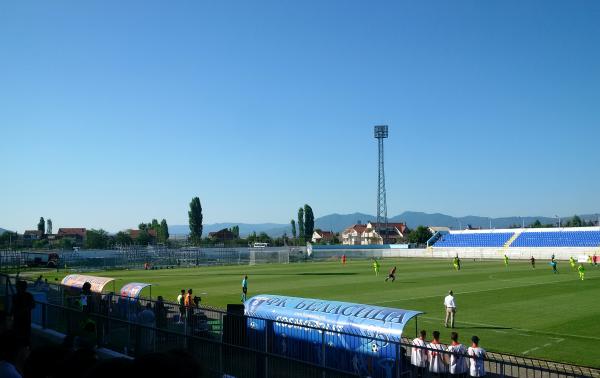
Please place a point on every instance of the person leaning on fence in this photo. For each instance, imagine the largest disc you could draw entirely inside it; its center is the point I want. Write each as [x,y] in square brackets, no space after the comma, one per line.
[181,303]
[450,309]
[418,354]
[458,363]
[436,356]
[22,304]
[476,357]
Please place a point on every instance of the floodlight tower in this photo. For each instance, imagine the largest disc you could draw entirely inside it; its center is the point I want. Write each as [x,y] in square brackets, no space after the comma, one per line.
[381,132]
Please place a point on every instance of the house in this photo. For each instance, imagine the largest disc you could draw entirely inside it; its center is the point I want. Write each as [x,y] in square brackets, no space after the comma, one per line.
[353,234]
[320,236]
[31,235]
[376,233]
[222,235]
[77,234]
[134,234]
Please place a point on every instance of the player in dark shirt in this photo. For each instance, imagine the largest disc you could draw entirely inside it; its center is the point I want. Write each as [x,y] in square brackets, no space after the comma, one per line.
[392,275]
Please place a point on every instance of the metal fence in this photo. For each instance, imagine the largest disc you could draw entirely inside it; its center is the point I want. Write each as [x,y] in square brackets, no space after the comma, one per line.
[241,346]
[135,257]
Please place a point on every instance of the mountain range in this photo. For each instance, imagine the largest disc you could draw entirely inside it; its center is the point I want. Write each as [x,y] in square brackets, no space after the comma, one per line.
[338,222]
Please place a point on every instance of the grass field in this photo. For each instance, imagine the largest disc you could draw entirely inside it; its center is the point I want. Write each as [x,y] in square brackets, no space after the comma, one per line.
[517,310]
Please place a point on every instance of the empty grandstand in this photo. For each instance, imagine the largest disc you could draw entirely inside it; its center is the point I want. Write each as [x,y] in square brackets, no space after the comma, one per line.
[522,243]
[474,239]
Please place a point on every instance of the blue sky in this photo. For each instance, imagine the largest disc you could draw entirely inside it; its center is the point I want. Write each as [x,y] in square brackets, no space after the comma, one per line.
[116,112]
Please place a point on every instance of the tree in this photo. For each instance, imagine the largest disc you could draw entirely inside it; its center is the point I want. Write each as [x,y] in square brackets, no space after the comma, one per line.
[195,220]
[96,239]
[66,244]
[144,237]
[49,226]
[163,231]
[123,238]
[575,222]
[309,222]
[301,224]
[419,235]
[235,230]
[42,226]
[293,223]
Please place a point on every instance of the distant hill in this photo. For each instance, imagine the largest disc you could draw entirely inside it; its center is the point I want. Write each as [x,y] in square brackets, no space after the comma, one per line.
[245,228]
[338,222]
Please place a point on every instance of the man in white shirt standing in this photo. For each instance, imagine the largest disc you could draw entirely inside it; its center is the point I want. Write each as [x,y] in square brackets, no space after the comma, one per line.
[477,355]
[418,354]
[450,309]
[458,362]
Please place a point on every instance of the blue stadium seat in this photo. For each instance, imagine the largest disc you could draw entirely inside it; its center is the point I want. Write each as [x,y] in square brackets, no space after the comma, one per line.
[474,240]
[558,239]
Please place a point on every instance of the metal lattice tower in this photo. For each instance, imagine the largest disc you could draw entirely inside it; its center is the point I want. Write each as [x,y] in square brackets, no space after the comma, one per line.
[381,132]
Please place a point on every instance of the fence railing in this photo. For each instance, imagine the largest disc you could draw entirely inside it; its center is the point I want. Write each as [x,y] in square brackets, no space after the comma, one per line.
[243,346]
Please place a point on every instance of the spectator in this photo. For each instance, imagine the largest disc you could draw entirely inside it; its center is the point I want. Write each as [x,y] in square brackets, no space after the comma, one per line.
[189,307]
[13,351]
[160,311]
[22,304]
[244,288]
[85,298]
[436,355]
[418,355]
[458,362]
[477,355]
[37,285]
[450,309]
[181,303]
[146,320]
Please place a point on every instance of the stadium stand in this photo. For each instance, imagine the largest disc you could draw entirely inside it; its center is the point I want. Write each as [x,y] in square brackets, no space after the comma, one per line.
[480,239]
[558,239]
[521,238]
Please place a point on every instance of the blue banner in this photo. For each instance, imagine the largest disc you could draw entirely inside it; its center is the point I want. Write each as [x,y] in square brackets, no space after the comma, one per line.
[348,336]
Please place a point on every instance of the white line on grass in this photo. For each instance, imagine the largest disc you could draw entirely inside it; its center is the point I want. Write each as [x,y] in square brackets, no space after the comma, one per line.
[520,330]
[470,292]
[530,350]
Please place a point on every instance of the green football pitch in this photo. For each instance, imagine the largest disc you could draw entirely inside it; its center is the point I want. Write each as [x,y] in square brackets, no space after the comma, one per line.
[517,310]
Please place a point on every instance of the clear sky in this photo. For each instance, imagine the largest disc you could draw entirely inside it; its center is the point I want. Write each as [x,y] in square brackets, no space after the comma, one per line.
[116,112]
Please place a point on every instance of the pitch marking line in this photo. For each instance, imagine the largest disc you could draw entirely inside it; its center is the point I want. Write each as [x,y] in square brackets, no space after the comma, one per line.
[471,292]
[521,330]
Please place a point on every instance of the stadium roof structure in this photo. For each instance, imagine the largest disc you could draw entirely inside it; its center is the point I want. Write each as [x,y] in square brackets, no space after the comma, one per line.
[77,281]
[133,290]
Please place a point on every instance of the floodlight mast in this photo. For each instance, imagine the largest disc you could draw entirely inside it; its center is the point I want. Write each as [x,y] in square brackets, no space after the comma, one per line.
[381,132]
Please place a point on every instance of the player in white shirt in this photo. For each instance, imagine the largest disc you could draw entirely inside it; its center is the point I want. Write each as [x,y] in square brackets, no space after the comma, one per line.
[436,355]
[477,355]
[458,362]
[450,306]
[418,354]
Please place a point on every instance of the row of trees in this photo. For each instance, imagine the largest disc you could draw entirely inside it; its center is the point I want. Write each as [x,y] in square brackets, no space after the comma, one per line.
[45,227]
[306,225]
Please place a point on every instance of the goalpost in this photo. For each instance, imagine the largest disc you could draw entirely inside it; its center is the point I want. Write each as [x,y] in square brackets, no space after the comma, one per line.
[264,256]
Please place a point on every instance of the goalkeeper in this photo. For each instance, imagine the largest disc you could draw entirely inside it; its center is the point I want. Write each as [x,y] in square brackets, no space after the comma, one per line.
[376,267]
